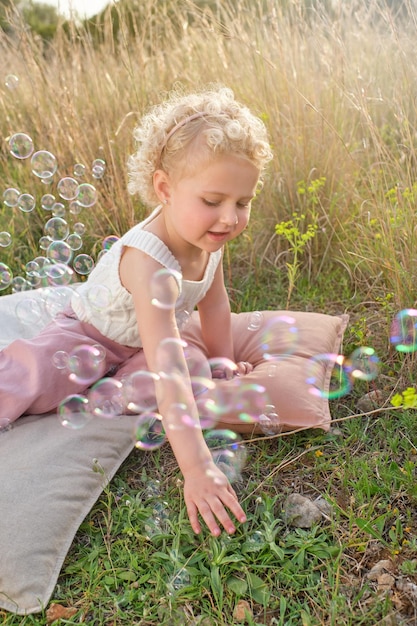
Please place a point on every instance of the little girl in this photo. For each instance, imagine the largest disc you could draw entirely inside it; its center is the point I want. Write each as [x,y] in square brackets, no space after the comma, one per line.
[199,160]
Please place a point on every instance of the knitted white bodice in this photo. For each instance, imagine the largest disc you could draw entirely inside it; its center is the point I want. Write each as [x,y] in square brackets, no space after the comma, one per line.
[117,319]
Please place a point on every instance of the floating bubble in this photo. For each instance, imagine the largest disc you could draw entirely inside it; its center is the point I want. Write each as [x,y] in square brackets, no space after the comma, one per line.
[101,350]
[170,357]
[21,145]
[29,311]
[79,228]
[83,264]
[11,196]
[109,241]
[403,335]
[57,300]
[6,276]
[26,202]
[75,208]
[86,364]
[179,580]
[73,412]
[59,252]
[67,188]
[319,368]
[164,288]
[148,432]
[60,360]
[99,297]
[227,452]
[20,284]
[45,242]
[106,398]
[74,241]
[5,239]
[86,195]
[59,274]
[98,168]
[34,279]
[58,210]
[47,201]
[280,337]
[57,229]
[101,254]
[363,364]
[11,81]
[44,164]
[79,170]
[256,320]
[47,180]
[269,421]
[32,266]
[139,391]
[250,402]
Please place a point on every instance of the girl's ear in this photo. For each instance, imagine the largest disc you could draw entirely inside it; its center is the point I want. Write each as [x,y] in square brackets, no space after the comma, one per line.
[162,186]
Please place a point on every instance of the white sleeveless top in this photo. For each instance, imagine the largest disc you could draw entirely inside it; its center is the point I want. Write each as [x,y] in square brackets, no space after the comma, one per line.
[117,319]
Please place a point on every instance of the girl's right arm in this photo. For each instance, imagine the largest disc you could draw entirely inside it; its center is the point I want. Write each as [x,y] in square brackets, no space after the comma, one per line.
[206,489]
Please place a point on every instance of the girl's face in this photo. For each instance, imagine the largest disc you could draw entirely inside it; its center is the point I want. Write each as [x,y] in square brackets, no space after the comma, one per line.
[211,206]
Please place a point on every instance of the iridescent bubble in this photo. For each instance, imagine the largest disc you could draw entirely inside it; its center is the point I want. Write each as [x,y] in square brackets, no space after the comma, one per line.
[279,338]
[269,421]
[59,252]
[79,228]
[85,364]
[101,350]
[45,242]
[79,170]
[34,279]
[57,229]
[319,368]
[101,254]
[20,284]
[47,180]
[256,320]
[227,451]
[109,241]
[44,164]
[47,201]
[148,432]
[363,364]
[6,276]
[73,412]
[67,188]
[99,297]
[74,241]
[57,300]
[11,196]
[21,145]
[29,311]
[403,335]
[106,398]
[26,202]
[58,210]
[11,81]
[250,402]
[98,168]
[83,264]
[60,360]
[164,288]
[86,195]
[59,274]
[75,208]
[32,266]
[5,239]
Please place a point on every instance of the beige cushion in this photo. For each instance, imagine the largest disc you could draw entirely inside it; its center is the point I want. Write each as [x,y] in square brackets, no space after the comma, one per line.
[51,476]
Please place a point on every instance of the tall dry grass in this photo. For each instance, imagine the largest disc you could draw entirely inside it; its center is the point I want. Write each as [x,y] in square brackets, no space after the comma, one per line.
[336,90]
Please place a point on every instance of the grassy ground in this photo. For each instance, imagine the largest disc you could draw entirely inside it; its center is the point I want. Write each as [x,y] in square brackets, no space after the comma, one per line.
[337,94]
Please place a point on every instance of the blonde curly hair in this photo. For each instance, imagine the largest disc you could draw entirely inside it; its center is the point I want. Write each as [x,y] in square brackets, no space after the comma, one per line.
[187,130]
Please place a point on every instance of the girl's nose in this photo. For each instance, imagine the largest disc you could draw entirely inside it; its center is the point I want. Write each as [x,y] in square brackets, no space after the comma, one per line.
[230,218]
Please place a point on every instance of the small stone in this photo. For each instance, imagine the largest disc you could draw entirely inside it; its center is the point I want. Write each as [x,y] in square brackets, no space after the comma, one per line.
[371,401]
[58,611]
[385,582]
[242,612]
[300,512]
[381,567]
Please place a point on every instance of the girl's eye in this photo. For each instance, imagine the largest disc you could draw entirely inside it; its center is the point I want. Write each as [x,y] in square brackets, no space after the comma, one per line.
[243,205]
[210,203]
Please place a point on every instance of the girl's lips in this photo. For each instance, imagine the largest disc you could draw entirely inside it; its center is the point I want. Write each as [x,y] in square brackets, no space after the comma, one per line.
[218,236]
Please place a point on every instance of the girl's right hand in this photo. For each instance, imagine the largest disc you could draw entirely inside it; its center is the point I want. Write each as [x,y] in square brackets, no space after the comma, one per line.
[208,492]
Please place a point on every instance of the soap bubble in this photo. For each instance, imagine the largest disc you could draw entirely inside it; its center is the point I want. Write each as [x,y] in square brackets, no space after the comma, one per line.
[47,201]
[163,293]
[29,311]
[255,320]
[20,284]
[26,202]
[109,241]
[148,432]
[44,164]
[403,335]
[86,195]
[59,252]
[34,279]
[250,402]
[11,81]
[83,264]
[269,421]
[21,145]
[57,300]
[98,168]
[139,391]
[318,369]
[79,228]
[79,170]
[279,338]
[363,364]
[170,356]
[60,360]
[45,242]
[6,276]
[106,397]
[59,274]
[67,188]
[73,412]
[75,208]
[227,452]
[5,239]
[99,297]
[86,364]
[74,241]
[11,196]
[58,209]
[57,229]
